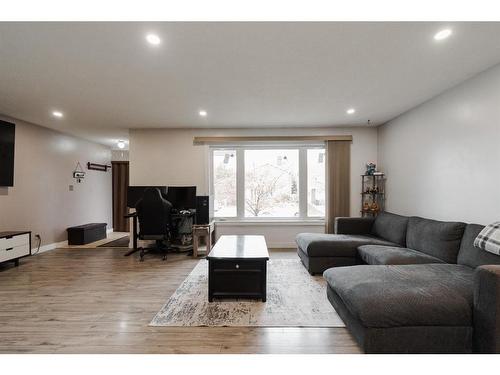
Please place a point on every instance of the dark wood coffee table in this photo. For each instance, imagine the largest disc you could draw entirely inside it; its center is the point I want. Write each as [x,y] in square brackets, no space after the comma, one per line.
[237,268]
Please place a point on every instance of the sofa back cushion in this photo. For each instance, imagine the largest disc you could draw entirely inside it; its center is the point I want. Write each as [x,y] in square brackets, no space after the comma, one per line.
[471,256]
[441,239]
[391,227]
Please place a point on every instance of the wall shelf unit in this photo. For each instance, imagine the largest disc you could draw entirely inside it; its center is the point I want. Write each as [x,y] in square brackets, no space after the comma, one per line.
[372,194]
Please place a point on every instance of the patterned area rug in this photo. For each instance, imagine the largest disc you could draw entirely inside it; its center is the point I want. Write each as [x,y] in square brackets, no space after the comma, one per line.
[294,299]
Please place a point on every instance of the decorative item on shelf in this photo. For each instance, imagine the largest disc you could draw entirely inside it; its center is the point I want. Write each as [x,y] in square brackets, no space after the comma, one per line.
[78,173]
[370,168]
[366,206]
[98,167]
[372,190]
[374,207]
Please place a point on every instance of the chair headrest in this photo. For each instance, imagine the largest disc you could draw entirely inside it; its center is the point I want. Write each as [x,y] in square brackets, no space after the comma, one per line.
[152,194]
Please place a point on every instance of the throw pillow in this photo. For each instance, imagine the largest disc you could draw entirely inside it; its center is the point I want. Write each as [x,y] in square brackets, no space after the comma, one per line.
[489,238]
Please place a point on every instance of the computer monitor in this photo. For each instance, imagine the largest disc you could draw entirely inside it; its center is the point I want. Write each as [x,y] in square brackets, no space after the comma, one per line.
[135,193]
[182,197]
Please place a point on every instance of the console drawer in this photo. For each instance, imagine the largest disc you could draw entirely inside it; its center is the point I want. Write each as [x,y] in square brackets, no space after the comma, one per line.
[14,241]
[14,252]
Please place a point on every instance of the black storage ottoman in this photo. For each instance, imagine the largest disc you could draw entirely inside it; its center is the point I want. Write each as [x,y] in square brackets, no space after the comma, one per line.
[87,233]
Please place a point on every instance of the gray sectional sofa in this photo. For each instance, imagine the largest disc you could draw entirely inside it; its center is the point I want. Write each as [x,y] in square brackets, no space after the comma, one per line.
[409,284]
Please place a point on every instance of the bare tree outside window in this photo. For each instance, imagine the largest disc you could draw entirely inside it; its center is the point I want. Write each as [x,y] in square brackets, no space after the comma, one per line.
[224,169]
[271,188]
[316,182]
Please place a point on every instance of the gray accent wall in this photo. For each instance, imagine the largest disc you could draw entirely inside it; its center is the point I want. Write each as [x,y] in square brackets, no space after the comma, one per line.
[442,158]
[41,200]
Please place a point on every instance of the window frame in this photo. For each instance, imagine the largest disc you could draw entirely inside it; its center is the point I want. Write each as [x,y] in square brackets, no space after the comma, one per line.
[240,180]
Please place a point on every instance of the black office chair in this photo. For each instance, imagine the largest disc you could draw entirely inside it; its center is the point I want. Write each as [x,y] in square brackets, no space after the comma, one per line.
[155,220]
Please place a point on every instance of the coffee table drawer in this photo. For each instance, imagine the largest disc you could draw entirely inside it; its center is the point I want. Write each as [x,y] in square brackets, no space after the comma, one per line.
[237,265]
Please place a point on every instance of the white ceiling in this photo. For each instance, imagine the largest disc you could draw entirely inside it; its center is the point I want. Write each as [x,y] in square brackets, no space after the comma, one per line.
[107,79]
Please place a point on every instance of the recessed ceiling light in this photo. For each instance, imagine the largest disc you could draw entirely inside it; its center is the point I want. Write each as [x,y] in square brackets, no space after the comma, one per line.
[203,113]
[443,34]
[57,114]
[350,111]
[121,144]
[153,39]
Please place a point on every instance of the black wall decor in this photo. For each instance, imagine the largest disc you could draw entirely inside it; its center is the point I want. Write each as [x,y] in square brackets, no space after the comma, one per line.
[98,167]
[78,173]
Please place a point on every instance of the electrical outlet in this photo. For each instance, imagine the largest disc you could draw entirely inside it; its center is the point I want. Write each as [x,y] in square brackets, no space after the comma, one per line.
[71,187]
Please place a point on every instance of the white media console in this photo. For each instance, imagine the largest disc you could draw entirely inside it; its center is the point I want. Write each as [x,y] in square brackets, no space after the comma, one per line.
[14,245]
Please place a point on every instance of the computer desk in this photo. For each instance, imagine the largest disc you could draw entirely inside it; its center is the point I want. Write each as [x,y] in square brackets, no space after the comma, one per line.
[135,233]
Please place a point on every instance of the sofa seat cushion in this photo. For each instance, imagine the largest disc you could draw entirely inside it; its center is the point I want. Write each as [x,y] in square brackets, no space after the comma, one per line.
[335,245]
[405,295]
[376,254]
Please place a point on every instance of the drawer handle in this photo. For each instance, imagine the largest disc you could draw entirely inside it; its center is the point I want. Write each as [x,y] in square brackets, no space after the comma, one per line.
[237,266]
[10,248]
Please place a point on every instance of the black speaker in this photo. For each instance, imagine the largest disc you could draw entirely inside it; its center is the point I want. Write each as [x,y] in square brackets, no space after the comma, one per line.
[204,204]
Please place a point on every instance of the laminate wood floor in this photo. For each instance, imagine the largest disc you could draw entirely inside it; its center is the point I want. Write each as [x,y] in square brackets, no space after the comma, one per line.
[95,300]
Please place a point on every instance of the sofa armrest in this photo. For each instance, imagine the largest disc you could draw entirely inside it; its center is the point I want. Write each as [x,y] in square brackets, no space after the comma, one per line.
[353,225]
[487,309]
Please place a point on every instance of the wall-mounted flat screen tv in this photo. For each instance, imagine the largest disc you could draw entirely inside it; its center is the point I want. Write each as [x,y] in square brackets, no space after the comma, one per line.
[7,137]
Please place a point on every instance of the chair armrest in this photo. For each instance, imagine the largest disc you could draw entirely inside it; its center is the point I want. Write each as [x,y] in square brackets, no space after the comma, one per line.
[353,225]
[487,309]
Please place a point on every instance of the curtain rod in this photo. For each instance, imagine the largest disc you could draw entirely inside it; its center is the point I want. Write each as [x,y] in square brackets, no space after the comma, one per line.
[208,140]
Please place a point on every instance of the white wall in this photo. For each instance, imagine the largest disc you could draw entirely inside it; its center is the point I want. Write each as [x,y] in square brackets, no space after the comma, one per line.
[168,157]
[40,200]
[442,159]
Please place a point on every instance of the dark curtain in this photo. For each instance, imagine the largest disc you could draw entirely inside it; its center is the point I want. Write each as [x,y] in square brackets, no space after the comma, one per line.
[120,185]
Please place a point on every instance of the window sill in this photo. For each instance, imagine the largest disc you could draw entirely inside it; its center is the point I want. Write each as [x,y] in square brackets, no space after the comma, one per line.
[264,222]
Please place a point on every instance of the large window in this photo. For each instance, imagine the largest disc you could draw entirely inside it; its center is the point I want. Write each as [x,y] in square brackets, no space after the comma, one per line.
[251,182]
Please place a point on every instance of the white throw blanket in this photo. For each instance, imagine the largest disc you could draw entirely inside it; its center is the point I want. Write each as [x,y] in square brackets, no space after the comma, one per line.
[489,238]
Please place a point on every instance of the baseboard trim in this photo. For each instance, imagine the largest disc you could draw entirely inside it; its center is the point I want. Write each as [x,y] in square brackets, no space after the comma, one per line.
[56,245]
[281,245]
[48,247]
